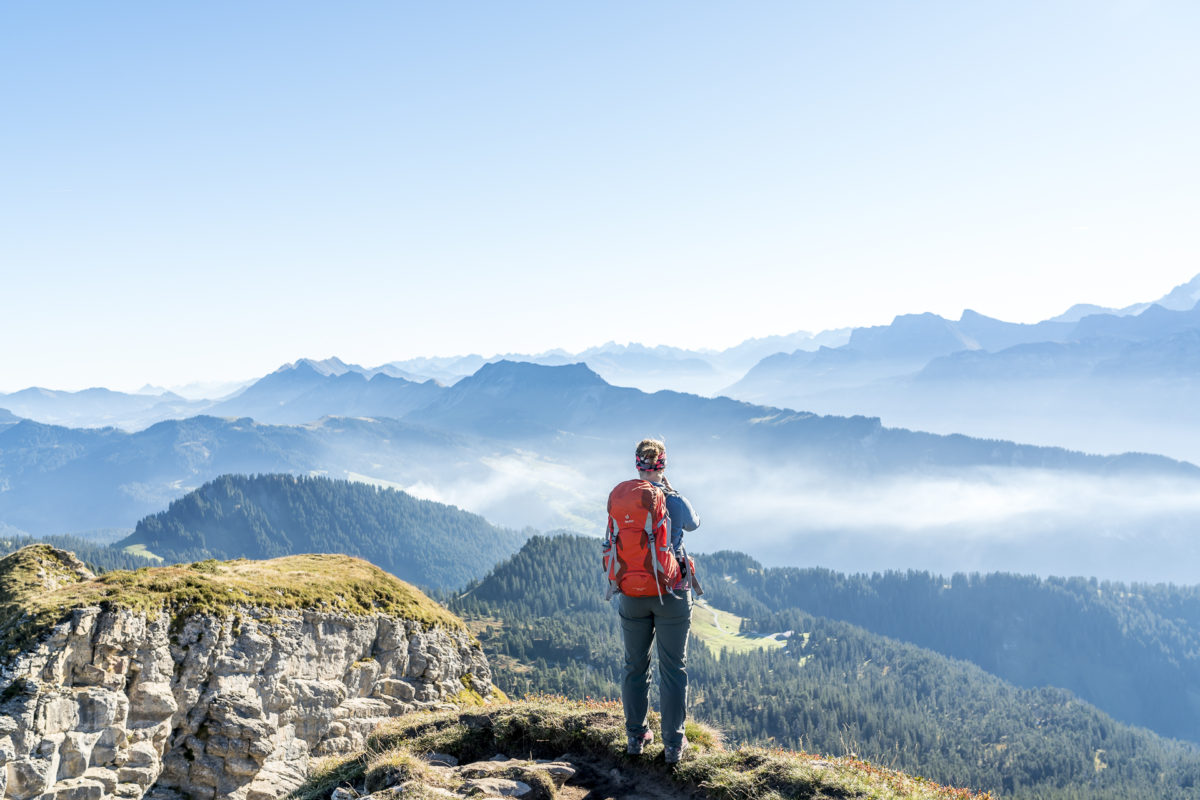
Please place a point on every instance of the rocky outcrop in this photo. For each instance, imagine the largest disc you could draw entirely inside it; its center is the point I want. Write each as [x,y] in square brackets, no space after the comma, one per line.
[131,704]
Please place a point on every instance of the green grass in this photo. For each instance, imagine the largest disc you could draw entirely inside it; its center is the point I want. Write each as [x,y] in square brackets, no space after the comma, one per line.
[37,591]
[140,551]
[548,727]
[719,630]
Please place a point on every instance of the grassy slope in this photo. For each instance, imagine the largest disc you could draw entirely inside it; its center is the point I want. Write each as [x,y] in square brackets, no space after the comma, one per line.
[38,589]
[140,551]
[720,631]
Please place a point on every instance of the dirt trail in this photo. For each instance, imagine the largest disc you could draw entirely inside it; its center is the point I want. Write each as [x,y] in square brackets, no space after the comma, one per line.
[716,617]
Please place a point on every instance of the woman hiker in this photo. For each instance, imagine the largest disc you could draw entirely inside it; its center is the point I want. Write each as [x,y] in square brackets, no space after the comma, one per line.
[647,566]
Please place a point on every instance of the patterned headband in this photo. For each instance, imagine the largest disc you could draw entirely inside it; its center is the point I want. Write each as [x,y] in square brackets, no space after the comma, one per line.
[646,465]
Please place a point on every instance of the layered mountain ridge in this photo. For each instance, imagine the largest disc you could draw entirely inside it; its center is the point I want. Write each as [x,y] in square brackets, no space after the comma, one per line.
[1094,379]
[837,483]
[1102,381]
[530,445]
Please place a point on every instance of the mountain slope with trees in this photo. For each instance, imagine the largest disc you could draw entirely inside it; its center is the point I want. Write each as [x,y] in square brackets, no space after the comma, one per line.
[1132,650]
[835,687]
[266,516]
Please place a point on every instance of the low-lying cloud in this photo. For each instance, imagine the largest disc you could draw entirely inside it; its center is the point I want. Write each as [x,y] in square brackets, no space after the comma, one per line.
[987,519]
[1128,528]
[974,499]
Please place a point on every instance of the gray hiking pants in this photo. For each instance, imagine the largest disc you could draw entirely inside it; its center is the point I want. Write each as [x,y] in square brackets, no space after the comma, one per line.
[641,619]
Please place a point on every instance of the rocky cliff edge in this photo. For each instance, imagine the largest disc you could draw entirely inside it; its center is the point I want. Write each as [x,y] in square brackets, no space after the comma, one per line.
[213,679]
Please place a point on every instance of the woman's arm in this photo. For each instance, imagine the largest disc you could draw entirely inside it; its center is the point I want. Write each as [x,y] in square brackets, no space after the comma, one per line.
[681,511]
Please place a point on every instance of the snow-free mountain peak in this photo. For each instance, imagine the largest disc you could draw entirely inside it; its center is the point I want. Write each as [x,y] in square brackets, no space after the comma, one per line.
[1183,297]
[300,392]
[911,336]
[502,375]
[326,366]
[1081,310]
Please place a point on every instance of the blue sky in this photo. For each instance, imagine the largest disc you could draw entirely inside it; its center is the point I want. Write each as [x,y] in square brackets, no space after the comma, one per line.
[204,191]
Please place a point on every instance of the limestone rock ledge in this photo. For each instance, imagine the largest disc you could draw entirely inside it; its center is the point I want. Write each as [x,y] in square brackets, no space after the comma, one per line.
[122,704]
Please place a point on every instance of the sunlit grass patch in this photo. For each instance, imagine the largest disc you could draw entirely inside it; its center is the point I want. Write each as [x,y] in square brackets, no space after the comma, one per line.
[140,551]
[702,735]
[719,630]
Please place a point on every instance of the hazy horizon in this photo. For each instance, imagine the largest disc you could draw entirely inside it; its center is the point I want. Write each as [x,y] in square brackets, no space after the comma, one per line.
[225,381]
[207,192]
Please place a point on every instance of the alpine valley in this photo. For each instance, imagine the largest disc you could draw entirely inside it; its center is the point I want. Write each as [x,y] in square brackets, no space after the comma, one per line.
[962,549]
[1025,687]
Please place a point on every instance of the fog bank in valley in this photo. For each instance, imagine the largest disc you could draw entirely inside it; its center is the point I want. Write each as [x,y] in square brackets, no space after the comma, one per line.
[1038,521]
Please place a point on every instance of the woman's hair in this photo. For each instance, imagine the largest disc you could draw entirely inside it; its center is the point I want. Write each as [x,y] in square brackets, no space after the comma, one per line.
[650,449]
[650,455]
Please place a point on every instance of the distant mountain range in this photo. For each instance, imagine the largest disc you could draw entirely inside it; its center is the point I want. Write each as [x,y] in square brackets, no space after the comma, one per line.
[1110,381]
[932,347]
[529,445]
[308,389]
[71,480]
[918,339]
[301,393]
[646,368]
[1094,379]
[849,483]
[95,408]
[1182,298]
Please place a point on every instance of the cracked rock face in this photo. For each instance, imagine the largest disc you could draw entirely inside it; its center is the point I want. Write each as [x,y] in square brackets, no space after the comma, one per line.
[119,704]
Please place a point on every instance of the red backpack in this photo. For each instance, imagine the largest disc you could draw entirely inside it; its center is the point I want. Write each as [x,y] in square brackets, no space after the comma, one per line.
[638,557]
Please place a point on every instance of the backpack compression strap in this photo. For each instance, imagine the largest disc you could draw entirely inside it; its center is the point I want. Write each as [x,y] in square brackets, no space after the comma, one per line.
[610,558]
[651,529]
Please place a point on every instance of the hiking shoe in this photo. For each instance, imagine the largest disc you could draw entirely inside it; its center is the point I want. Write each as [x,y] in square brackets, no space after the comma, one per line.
[634,745]
[672,754]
